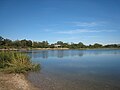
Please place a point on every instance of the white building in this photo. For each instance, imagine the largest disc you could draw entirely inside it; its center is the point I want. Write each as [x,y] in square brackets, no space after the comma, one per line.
[57,46]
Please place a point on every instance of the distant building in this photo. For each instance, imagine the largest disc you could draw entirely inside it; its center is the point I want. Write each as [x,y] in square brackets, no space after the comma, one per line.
[57,46]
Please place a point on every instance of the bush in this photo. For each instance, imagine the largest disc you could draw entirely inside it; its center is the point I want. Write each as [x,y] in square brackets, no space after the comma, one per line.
[16,62]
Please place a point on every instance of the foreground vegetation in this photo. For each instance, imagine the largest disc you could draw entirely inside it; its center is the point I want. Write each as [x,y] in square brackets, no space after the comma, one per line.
[16,62]
[28,44]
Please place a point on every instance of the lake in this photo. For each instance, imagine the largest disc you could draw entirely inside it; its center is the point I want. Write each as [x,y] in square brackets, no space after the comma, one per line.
[76,69]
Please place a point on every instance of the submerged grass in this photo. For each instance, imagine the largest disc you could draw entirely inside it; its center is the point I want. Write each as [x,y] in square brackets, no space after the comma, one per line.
[16,62]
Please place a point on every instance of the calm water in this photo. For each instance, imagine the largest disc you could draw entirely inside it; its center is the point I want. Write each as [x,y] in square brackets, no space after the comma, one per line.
[76,69]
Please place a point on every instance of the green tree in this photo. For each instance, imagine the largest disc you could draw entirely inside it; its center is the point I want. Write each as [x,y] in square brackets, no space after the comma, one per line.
[81,45]
[51,46]
[59,43]
[7,43]
[96,45]
[29,43]
[1,40]
[45,44]
[35,45]
[17,44]
[23,43]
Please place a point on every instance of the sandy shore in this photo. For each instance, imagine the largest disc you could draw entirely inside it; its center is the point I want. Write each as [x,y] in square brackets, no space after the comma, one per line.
[24,49]
[50,48]
[15,82]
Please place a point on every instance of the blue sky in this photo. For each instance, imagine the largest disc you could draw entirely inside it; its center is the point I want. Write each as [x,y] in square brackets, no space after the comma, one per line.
[87,21]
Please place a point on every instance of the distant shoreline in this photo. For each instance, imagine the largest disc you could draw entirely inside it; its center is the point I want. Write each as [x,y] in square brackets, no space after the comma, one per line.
[74,49]
[26,49]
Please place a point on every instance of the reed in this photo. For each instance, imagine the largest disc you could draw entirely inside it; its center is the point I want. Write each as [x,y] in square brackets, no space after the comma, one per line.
[16,62]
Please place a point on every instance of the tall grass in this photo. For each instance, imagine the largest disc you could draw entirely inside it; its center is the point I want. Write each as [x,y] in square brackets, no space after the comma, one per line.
[16,62]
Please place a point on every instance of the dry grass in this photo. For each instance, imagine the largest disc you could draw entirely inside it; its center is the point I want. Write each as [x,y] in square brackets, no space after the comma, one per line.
[16,62]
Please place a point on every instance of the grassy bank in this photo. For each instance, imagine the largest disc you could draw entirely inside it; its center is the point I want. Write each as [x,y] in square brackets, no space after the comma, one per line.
[16,62]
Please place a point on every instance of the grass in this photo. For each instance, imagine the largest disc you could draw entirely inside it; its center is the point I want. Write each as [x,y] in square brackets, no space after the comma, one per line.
[16,62]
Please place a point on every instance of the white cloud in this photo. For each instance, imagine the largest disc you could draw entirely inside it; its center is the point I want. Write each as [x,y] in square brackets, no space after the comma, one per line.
[88,24]
[83,31]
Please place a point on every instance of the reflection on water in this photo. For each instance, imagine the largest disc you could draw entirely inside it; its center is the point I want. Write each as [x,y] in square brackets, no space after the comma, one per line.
[54,53]
[76,69]
[68,53]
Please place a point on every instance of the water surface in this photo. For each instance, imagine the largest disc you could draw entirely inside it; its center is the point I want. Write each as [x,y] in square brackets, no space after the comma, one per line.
[76,69]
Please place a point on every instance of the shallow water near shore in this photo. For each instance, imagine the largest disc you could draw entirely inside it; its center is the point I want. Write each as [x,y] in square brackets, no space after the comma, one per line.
[76,69]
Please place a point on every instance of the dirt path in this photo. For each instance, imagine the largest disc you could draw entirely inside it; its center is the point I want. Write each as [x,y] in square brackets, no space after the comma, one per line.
[15,82]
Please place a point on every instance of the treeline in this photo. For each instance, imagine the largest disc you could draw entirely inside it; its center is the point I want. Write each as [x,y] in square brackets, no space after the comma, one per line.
[7,43]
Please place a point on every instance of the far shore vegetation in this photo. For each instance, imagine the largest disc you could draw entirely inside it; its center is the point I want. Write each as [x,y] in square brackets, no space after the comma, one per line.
[16,62]
[28,44]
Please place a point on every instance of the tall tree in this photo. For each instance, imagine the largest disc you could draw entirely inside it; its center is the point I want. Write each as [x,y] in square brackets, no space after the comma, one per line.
[1,40]
[96,45]
[7,42]
[81,45]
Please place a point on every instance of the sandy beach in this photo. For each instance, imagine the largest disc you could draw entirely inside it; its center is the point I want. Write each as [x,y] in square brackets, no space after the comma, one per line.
[15,82]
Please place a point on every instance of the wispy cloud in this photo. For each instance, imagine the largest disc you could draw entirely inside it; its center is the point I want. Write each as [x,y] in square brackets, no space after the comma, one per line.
[77,31]
[88,24]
